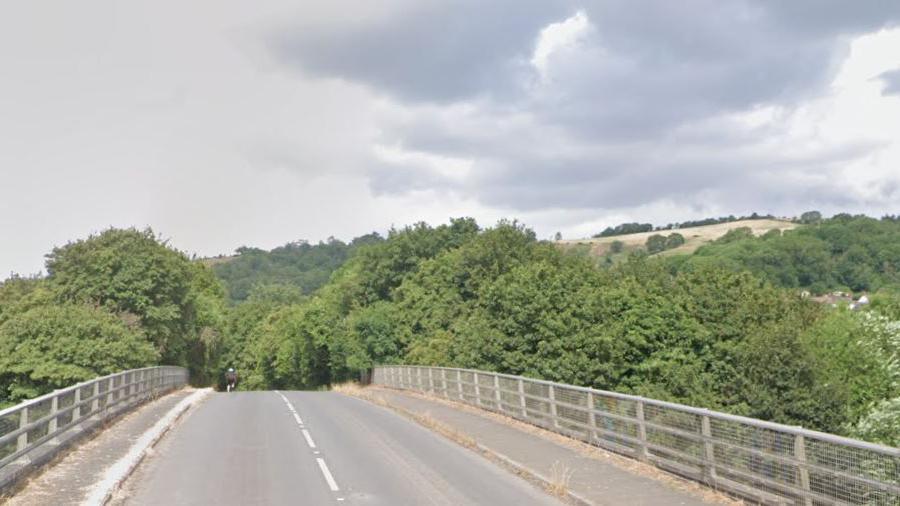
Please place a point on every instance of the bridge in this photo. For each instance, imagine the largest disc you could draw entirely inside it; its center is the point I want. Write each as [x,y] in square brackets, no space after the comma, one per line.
[418,435]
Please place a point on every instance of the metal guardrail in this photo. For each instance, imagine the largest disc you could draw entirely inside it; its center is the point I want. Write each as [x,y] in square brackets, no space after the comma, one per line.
[763,461]
[27,426]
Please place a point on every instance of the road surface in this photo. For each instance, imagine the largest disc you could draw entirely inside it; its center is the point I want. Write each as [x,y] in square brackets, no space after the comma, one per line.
[316,448]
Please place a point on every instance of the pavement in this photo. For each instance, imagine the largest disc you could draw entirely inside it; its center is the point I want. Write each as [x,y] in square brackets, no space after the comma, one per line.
[317,448]
[597,478]
[69,481]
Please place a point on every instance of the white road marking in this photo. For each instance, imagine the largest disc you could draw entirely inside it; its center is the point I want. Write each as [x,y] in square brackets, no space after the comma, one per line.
[328,477]
[322,465]
[309,440]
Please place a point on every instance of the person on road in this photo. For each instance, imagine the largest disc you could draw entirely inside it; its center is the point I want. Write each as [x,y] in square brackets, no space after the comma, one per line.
[231,379]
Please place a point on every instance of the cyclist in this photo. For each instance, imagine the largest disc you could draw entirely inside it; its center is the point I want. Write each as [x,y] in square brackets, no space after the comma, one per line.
[231,379]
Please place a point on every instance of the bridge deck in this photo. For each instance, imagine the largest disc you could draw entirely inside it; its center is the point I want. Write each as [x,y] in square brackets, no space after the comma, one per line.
[250,448]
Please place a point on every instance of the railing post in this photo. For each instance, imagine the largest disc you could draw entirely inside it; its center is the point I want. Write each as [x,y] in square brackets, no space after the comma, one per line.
[802,470]
[592,417]
[642,453]
[110,395]
[497,395]
[54,408]
[522,402]
[22,441]
[431,380]
[553,411]
[459,387]
[76,411]
[444,383]
[477,389]
[95,404]
[709,454]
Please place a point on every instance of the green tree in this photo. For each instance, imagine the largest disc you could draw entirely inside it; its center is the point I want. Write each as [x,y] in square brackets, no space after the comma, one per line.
[54,346]
[674,240]
[656,243]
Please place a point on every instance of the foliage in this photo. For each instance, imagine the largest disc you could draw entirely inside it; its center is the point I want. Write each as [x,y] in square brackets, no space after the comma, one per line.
[299,264]
[842,253]
[625,229]
[54,346]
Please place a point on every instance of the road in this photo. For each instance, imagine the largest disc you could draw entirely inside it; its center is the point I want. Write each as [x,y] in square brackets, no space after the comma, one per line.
[316,448]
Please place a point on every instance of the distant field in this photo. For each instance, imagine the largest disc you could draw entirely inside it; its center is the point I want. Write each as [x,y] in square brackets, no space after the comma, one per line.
[211,261]
[694,237]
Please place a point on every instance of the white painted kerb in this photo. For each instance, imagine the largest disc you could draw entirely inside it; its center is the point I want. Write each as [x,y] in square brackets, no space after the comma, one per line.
[119,471]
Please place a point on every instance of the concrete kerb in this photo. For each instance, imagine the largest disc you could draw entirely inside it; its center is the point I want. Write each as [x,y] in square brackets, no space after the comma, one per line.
[117,473]
[17,474]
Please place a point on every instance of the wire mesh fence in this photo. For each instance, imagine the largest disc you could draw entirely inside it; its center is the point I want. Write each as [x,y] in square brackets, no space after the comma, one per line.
[28,425]
[762,461]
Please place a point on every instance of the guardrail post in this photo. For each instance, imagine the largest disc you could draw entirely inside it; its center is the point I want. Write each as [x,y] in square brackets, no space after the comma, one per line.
[459,387]
[477,389]
[95,404]
[497,395]
[54,408]
[553,410]
[522,402]
[592,417]
[22,440]
[709,454]
[642,432]
[431,380]
[110,395]
[802,470]
[76,411]
[444,382]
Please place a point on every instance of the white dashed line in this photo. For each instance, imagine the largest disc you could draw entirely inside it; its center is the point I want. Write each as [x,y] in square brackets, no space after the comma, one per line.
[322,465]
[309,440]
[328,477]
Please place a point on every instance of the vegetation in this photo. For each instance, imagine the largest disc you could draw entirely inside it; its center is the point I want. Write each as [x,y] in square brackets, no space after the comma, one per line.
[725,328]
[853,253]
[117,300]
[299,264]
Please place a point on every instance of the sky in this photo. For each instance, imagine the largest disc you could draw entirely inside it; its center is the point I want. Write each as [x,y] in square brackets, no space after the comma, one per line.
[228,123]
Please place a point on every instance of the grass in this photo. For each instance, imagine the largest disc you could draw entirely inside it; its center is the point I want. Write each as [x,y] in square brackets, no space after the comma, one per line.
[694,236]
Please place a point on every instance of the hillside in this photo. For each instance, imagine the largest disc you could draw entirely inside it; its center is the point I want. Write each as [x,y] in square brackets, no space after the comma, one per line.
[694,236]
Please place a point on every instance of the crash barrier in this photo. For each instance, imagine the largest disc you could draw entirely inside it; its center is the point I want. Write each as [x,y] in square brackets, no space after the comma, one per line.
[39,425]
[762,461]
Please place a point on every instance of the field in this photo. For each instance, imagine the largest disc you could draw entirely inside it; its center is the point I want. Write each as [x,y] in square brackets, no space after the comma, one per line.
[694,237]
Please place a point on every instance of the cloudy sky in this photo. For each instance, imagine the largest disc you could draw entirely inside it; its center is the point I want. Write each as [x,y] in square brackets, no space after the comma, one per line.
[223,123]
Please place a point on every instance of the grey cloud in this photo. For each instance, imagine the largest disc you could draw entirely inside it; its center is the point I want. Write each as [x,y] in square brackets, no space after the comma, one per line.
[891,80]
[636,113]
[427,50]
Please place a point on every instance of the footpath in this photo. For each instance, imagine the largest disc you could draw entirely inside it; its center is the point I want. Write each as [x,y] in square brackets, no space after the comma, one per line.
[69,481]
[588,474]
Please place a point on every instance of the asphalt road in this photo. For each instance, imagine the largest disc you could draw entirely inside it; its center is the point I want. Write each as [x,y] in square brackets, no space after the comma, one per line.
[316,448]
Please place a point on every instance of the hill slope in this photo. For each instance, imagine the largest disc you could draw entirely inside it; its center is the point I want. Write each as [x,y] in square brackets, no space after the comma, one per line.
[694,236]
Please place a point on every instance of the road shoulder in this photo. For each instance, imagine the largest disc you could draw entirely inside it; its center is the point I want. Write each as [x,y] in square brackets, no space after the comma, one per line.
[582,473]
[70,480]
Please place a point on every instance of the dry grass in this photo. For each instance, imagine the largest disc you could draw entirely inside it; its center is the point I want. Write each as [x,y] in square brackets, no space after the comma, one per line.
[377,395]
[560,474]
[694,237]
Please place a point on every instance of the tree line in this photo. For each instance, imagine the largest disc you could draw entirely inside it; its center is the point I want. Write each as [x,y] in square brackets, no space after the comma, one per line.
[716,329]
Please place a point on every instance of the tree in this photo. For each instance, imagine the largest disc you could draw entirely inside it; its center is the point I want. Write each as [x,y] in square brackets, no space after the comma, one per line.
[655,244]
[54,346]
[557,236]
[616,246]
[811,217]
[134,274]
[674,240]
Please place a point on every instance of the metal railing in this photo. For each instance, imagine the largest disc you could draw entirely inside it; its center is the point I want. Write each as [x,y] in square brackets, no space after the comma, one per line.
[763,461]
[32,423]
